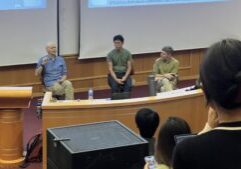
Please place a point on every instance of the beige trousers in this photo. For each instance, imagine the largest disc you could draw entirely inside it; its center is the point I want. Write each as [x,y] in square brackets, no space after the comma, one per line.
[64,88]
[164,84]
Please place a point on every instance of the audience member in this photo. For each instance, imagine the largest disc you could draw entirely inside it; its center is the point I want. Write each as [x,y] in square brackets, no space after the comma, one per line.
[53,71]
[166,70]
[120,65]
[219,148]
[147,122]
[166,142]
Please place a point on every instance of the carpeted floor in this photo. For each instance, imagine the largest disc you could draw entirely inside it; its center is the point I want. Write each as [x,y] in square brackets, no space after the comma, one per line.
[32,124]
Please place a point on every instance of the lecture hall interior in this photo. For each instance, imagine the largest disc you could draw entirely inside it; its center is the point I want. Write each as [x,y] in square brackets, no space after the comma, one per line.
[75,40]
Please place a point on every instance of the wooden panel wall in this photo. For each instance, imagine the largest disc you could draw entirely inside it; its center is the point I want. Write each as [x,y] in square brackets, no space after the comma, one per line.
[92,72]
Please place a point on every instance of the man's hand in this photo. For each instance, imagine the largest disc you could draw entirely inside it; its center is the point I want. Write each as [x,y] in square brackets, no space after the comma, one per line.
[39,70]
[169,76]
[123,79]
[60,81]
[119,81]
[44,61]
[159,77]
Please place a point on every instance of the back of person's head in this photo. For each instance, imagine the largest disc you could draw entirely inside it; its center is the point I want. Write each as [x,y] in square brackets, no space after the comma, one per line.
[147,121]
[221,74]
[168,49]
[166,142]
[118,38]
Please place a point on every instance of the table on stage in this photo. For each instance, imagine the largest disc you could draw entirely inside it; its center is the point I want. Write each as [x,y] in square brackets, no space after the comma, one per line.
[189,105]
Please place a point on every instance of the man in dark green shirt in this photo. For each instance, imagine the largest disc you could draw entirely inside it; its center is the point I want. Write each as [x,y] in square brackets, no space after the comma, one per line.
[166,70]
[119,65]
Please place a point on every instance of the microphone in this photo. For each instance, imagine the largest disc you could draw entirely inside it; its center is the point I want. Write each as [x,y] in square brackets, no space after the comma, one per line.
[45,60]
[198,85]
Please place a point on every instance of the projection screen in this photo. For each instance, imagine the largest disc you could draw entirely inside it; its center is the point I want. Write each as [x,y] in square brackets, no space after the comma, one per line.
[26,27]
[148,25]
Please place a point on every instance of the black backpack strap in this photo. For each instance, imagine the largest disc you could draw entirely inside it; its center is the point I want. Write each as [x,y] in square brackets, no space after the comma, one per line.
[29,147]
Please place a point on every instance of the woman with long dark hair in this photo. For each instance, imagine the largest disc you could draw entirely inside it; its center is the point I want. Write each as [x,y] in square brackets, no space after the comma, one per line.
[165,144]
[219,148]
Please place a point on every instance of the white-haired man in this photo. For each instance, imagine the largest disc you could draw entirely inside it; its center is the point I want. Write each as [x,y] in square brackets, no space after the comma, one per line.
[52,69]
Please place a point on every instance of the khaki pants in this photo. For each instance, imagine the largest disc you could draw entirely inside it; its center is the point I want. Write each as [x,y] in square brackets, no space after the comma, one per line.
[64,88]
[164,84]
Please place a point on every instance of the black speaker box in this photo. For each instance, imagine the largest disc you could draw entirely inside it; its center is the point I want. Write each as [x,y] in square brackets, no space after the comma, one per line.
[107,145]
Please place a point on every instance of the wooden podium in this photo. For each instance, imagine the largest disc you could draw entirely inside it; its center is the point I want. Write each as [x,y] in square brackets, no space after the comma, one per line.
[12,100]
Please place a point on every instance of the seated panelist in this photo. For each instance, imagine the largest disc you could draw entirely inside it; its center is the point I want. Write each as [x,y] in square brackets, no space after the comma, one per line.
[120,65]
[53,71]
[165,69]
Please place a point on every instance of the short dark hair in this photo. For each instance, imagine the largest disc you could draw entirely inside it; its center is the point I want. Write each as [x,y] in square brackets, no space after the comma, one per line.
[147,121]
[220,73]
[166,142]
[118,38]
[168,49]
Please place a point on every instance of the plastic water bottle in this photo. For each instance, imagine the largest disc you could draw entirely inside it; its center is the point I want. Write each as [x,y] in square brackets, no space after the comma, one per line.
[90,94]
[150,160]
